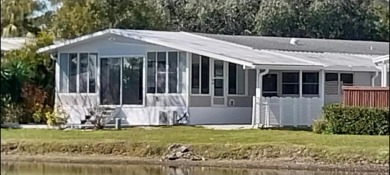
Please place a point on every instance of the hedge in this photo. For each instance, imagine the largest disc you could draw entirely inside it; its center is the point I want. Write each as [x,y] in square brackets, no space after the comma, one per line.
[340,119]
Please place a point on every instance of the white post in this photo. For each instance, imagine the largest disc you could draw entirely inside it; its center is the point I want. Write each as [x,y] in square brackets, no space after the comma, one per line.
[300,83]
[384,75]
[253,111]
[322,86]
[258,98]
[188,84]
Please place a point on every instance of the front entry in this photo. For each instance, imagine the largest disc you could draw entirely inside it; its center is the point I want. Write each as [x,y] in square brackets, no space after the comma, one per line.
[218,83]
[121,81]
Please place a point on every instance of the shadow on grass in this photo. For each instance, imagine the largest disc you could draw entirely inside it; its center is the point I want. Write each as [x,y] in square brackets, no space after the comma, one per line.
[290,128]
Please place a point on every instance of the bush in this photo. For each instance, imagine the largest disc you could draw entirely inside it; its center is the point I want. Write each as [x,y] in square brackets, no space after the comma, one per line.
[340,119]
[319,126]
[56,117]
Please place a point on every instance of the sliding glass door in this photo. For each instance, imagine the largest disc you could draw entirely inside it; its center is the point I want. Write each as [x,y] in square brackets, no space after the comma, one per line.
[110,81]
[121,81]
[132,73]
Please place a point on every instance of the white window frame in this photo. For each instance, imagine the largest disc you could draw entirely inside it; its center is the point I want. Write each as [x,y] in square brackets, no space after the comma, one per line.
[339,82]
[318,83]
[245,83]
[299,84]
[277,83]
[121,80]
[166,73]
[200,76]
[78,73]
[282,83]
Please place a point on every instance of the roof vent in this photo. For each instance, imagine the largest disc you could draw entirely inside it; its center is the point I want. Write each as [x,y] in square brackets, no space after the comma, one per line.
[293,41]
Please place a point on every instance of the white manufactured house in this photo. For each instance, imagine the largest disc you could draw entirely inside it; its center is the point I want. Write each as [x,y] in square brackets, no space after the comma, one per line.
[155,77]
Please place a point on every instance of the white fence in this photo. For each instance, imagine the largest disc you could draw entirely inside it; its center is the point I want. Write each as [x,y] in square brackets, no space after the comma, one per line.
[289,111]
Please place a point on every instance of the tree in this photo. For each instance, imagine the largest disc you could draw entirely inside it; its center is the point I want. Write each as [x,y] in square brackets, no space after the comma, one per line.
[349,19]
[17,17]
[87,16]
[380,8]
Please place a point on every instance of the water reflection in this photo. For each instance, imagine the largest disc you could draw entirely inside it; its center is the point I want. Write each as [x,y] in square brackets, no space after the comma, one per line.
[79,169]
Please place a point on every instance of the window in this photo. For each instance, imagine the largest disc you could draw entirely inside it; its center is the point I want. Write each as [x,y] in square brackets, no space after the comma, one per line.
[72,72]
[172,72]
[270,85]
[236,79]
[161,72]
[290,83]
[331,77]
[200,74]
[334,81]
[165,72]
[346,79]
[310,83]
[75,66]
[64,72]
[331,83]
[83,72]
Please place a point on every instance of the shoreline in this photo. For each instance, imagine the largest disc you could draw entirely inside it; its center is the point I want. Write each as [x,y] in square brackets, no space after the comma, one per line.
[258,164]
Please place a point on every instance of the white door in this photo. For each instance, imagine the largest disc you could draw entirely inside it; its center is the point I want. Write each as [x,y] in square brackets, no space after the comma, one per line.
[218,83]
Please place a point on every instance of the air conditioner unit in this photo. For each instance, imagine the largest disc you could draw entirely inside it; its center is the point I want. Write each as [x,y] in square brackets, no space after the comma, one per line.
[163,117]
[167,117]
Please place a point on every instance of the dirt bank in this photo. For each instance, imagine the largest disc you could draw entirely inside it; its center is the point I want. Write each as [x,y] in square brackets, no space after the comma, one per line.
[264,164]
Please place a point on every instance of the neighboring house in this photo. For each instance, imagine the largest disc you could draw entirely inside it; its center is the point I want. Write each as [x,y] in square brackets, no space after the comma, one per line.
[147,77]
[383,64]
[8,44]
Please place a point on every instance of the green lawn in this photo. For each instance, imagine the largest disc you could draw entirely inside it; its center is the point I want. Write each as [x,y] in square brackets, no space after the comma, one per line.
[368,147]
[197,135]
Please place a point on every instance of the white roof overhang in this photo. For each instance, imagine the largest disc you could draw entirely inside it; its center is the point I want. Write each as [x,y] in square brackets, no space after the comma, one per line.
[8,44]
[213,48]
[337,61]
[380,59]
[235,53]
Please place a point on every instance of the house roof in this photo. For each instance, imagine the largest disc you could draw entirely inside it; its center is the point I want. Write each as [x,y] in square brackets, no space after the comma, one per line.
[384,58]
[197,44]
[337,61]
[306,44]
[12,43]
[233,52]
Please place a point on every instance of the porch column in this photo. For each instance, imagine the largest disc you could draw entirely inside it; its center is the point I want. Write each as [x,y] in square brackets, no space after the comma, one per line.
[384,74]
[256,117]
[257,106]
[322,86]
[300,83]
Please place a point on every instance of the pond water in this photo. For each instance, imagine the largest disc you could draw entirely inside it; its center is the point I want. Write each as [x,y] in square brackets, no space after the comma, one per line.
[81,169]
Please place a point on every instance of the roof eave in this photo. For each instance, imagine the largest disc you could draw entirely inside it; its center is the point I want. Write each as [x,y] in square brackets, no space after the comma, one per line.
[289,67]
[54,47]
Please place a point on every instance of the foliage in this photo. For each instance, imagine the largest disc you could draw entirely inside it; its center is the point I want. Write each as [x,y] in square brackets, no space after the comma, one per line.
[319,126]
[12,112]
[17,17]
[27,78]
[98,117]
[349,19]
[341,119]
[56,117]
[15,73]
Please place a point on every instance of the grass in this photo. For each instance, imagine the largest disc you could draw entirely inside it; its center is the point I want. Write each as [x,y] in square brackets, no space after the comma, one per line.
[214,144]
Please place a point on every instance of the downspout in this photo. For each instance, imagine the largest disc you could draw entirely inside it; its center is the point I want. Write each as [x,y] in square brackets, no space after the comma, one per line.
[259,91]
[373,78]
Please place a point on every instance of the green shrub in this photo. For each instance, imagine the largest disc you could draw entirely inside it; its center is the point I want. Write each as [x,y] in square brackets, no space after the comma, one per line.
[319,126]
[340,119]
